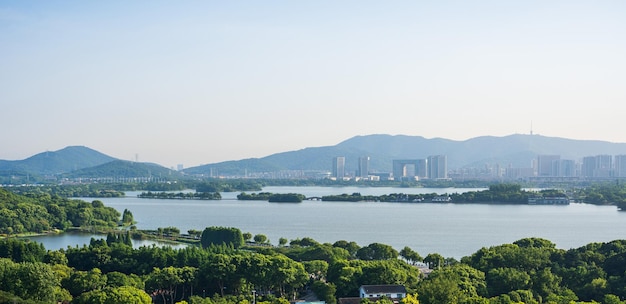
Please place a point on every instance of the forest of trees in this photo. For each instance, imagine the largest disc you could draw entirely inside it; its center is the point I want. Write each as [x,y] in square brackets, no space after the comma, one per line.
[39,212]
[225,269]
[530,270]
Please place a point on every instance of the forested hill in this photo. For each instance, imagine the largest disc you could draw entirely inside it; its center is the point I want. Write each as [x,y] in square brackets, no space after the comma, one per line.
[126,169]
[517,150]
[55,162]
[78,162]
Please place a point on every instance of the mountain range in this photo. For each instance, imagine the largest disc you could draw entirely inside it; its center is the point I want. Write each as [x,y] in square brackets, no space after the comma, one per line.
[516,150]
[77,162]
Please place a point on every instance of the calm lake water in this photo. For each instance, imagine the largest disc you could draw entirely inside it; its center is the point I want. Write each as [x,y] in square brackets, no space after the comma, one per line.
[73,239]
[448,229]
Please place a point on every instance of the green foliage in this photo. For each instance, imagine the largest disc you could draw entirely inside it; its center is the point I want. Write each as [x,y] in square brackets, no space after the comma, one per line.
[377,251]
[304,242]
[348,276]
[434,260]
[42,212]
[504,188]
[80,282]
[221,235]
[272,197]
[181,195]
[410,255]
[605,194]
[21,250]
[354,197]
[29,280]
[316,251]
[119,238]
[127,218]
[530,270]
[286,198]
[115,295]
[324,291]
[261,196]
[496,194]
[260,238]
[351,247]
[228,186]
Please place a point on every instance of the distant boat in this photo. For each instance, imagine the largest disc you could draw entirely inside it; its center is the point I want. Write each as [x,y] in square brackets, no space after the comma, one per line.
[553,200]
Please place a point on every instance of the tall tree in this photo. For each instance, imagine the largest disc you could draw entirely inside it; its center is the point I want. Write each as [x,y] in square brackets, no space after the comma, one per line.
[221,235]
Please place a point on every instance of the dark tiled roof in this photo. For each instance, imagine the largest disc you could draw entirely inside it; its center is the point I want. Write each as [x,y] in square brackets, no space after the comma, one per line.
[383,289]
[349,300]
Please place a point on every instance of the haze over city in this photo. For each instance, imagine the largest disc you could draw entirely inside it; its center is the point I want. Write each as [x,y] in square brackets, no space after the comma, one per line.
[200,82]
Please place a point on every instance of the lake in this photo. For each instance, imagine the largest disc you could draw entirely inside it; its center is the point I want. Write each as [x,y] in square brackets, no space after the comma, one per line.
[453,230]
[73,239]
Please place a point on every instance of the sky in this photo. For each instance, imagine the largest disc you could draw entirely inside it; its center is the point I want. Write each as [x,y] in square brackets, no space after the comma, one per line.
[199,82]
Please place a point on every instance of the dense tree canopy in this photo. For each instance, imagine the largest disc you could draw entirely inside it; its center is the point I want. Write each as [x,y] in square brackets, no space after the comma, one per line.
[43,212]
[529,270]
[222,235]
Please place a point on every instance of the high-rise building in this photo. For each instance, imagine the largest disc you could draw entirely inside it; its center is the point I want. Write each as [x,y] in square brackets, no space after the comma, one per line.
[548,165]
[588,166]
[421,168]
[339,167]
[567,168]
[437,167]
[364,166]
[597,166]
[604,166]
[620,166]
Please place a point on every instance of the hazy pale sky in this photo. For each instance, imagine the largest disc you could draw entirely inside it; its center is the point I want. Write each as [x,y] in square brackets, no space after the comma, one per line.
[197,82]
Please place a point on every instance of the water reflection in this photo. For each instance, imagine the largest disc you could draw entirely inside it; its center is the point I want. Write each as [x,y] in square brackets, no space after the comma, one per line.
[78,239]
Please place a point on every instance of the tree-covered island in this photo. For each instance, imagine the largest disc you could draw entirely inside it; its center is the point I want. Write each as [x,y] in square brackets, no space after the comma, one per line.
[496,194]
[272,197]
[181,195]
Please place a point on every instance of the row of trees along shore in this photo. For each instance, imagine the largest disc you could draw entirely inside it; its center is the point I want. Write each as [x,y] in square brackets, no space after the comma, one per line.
[606,193]
[226,270]
[496,194]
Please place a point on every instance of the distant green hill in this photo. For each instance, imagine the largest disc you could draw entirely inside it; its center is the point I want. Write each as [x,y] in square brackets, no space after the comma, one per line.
[56,162]
[42,166]
[125,169]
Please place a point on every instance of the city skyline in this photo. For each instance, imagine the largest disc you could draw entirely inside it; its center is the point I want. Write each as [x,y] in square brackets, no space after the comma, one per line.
[203,82]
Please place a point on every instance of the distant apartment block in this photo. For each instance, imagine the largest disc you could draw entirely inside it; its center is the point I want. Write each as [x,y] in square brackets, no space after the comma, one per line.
[620,166]
[604,166]
[568,168]
[437,167]
[364,167]
[339,167]
[548,165]
[597,166]
[588,166]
